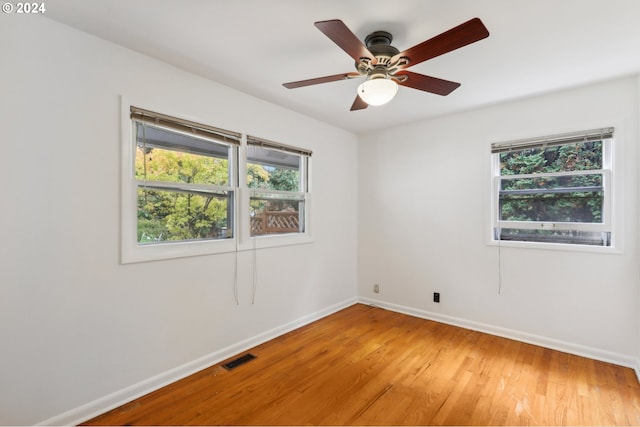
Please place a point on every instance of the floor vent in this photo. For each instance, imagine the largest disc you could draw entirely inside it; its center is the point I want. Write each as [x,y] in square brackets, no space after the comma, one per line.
[239,361]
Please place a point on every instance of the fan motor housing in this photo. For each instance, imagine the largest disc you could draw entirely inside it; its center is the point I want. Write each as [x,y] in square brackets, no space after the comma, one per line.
[379,44]
[378,37]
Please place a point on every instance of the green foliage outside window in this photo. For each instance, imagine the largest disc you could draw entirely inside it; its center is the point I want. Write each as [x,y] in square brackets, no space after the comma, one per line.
[170,215]
[175,215]
[272,178]
[550,198]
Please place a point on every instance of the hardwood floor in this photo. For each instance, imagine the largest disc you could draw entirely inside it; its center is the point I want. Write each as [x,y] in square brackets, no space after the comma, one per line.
[368,366]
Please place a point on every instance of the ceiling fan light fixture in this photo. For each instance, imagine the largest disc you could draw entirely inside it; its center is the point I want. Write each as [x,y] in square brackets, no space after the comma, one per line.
[377,90]
[384,66]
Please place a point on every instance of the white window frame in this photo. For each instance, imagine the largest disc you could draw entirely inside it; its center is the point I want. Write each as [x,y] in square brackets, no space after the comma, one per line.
[607,224]
[247,241]
[132,252]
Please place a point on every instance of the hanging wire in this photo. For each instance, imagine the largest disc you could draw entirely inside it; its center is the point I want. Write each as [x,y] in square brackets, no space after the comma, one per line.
[497,184]
[498,229]
[235,178]
[235,278]
[255,249]
[499,232]
[144,159]
[255,272]
[235,274]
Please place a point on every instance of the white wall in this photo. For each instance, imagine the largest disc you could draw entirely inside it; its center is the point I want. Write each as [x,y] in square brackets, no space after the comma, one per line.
[424,194]
[75,324]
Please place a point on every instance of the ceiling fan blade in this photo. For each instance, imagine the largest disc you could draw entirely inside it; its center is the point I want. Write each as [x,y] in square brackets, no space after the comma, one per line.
[359,104]
[341,35]
[326,79]
[457,37]
[427,83]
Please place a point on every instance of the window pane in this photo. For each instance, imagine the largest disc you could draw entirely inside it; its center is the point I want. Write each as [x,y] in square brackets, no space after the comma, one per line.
[173,166]
[276,216]
[563,158]
[149,136]
[577,198]
[594,238]
[273,169]
[565,207]
[174,215]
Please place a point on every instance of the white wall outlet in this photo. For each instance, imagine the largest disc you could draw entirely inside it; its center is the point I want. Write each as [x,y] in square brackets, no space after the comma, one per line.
[376,288]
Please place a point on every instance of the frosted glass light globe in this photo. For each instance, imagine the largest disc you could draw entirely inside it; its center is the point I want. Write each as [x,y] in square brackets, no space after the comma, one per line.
[377,91]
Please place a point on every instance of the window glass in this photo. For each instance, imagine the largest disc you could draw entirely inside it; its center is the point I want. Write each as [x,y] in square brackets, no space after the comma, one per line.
[158,164]
[183,187]
[558,193]
[277,180]
[573,198]
[273,170]
[172,215]
[273,216]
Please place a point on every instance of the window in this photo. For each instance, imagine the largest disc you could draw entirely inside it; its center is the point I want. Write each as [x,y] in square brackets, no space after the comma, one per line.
[277,178]
[555,189]
[180,186]
[192,189]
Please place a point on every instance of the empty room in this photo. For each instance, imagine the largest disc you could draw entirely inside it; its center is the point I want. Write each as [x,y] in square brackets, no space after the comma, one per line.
[280,212]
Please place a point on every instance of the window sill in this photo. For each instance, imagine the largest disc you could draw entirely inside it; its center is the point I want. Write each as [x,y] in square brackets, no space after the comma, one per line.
[165,251]
[274,241]
[157,252]
[556,247]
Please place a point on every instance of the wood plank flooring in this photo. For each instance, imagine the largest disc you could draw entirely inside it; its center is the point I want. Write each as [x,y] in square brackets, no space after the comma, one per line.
[369,366]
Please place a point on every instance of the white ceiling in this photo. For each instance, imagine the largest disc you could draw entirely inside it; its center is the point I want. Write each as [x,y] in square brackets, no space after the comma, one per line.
[534,46]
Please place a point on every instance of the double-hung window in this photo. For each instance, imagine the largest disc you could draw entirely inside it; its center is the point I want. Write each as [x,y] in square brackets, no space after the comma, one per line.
[554,189]
[277,179]
[183,193]
[183,179]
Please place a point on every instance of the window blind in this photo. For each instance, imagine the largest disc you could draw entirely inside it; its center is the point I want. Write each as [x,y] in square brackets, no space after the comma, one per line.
[252,140]
[553,140]
[186,126]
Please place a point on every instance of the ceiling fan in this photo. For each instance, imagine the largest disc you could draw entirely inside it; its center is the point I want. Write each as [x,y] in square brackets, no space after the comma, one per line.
[385,67]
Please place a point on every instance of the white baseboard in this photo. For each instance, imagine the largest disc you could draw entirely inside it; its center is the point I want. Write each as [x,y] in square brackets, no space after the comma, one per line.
[99,406]
[566,347]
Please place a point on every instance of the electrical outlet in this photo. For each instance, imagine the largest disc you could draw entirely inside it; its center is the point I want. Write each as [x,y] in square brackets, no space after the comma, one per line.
[376,288]
[436,297]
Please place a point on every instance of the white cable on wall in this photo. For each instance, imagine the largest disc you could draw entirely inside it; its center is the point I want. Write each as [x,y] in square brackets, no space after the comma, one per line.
[499,232]
[255,272]
[235,274]
[255,250]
